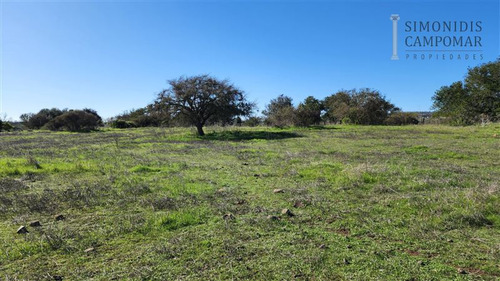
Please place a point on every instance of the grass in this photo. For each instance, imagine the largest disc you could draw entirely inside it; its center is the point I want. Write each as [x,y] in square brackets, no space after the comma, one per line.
[370,203]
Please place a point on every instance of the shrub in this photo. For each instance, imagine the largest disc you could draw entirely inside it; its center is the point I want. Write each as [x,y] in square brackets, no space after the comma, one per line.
[143,117]
[364,106]
[75,121]
[309,112]
[402,118]
[283,117]
[122,124]
[252,121]
[44,116]
[280,112]
[5,126]
[93,112]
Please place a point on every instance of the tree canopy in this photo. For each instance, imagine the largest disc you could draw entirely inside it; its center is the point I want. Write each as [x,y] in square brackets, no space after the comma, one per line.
[57,119]
[203,100]
[364,106]
[280,112]
[476,99]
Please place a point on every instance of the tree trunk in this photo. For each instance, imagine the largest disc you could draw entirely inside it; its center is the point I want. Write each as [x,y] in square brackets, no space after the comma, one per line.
[199,127]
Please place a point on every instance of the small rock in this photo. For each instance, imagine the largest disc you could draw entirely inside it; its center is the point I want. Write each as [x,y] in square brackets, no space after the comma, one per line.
[450,240]
[91,249]
[35,223]
[346,261]
[462,271]
[221,190]
[421,263]
[298,204]
[287,212]
[228,217]
[59,217]
[349,246]
[323,246]
[278,190]
[273,218]
[22,230]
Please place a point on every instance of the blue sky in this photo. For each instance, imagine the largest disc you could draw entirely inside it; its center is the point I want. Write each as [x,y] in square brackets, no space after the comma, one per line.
[115,55]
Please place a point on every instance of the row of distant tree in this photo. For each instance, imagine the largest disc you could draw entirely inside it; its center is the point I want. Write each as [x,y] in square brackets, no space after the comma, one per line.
[66,119]
[205,100]
[364,107]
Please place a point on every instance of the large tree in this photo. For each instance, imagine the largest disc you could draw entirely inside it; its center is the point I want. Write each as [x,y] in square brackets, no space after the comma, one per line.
[203,100]
[364,106]
[309,112]
[483,84]
[478,98]
[453,101]
[280,112]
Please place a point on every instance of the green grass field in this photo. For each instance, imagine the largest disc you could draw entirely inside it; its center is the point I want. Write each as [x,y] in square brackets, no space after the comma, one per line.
[369,203]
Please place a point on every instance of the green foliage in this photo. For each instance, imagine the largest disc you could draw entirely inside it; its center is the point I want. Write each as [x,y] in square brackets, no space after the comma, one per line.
[475,100]
[56,119]
[309,112]
[6,126]
[453,101]
[252,121]
[365,107]
[280,112]
[122,124]
[75,121]
[483,84]
[39,120]
[142,117]
[401,118]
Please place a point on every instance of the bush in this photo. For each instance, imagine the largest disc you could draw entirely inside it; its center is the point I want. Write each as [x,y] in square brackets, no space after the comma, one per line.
[252,121]
[122,124]
[402,118]
[280,112]
[93,112]
[44,116]
[5,126]
[364,107]
[75,121]
[142,117]
[309,112]
[283,117]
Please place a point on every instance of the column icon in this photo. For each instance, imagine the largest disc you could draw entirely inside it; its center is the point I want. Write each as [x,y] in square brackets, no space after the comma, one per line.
[394,18]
